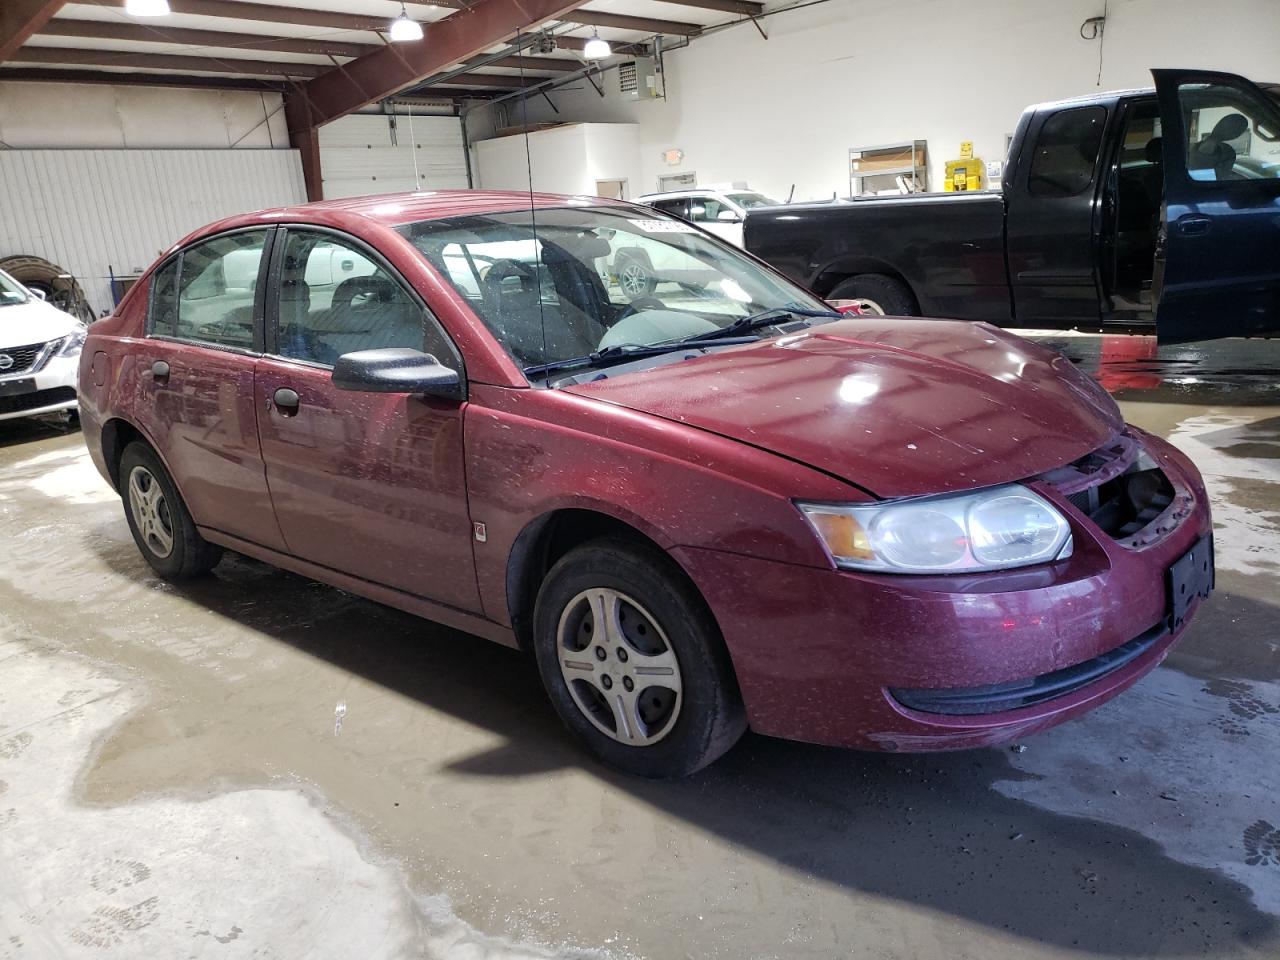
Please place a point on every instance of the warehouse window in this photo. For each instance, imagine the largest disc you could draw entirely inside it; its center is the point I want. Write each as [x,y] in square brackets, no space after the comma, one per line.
[206,294]
[1067,152]
[335,299]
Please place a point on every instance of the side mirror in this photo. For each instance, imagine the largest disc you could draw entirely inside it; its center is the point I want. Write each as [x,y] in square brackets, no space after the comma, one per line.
[728,216]
[396,370]
[38,294]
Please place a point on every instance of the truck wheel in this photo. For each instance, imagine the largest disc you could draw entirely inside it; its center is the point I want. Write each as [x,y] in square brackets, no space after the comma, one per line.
[878,294]
[633,661]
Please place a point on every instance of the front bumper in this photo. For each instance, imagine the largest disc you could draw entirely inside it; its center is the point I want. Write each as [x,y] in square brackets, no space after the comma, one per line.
[818,652]
[50,389]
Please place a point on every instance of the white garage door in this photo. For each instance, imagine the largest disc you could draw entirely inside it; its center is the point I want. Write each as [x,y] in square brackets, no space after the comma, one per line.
[103,212]
[370,153]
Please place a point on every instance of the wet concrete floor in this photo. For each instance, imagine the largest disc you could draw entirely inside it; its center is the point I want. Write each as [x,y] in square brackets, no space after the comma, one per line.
[258,765]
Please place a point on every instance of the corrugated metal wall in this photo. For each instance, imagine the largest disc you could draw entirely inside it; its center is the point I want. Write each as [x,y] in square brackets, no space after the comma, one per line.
[369,153]
[92,211]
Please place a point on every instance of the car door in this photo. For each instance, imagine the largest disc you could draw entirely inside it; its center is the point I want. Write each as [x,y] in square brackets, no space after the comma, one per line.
[1217,270]
[369,484]
[195,379]
[1053,217]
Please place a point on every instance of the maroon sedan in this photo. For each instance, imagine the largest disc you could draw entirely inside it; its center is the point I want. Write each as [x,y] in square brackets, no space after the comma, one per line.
[712,504]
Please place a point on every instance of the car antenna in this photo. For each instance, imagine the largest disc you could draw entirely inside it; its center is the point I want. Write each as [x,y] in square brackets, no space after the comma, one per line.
[533,215]
[791,195]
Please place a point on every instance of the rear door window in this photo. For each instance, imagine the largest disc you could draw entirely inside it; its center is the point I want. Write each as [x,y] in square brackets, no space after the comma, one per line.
[1066,152]
[207,293]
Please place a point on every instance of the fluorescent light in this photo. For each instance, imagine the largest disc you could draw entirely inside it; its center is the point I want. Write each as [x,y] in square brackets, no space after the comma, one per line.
[147,8]
[595,48]
[403,29]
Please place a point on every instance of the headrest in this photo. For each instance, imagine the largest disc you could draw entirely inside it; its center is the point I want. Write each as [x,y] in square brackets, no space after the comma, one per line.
[1230,127]
[1153,151]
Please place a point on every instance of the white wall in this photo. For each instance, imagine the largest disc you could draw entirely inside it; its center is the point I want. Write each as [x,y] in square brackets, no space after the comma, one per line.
[567,159]
[858,72]
[102,116]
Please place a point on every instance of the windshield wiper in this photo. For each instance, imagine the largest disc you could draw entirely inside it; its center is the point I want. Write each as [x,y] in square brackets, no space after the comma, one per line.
[615,354]
[736,332]
[765,318]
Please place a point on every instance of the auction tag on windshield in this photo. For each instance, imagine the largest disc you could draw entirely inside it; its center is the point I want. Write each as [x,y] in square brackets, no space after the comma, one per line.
[664,226]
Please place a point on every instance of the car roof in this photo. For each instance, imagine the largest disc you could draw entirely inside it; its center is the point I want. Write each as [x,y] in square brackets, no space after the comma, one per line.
[695,192]
[393,209]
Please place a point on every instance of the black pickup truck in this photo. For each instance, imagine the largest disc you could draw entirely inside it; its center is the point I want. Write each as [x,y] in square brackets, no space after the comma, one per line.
[1157,206]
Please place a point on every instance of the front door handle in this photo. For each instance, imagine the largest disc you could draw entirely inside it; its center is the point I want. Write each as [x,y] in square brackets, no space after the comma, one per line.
[1194,226]
[286,401]
[160,371]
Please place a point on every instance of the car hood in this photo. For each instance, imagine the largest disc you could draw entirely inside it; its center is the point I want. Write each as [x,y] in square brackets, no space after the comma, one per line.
[896,407]
[35,321]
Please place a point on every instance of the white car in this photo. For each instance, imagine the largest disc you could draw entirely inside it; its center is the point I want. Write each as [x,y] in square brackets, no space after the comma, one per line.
[39,353]
[718,211]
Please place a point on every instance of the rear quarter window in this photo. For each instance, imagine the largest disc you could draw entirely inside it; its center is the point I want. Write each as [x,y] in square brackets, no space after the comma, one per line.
[1066,152]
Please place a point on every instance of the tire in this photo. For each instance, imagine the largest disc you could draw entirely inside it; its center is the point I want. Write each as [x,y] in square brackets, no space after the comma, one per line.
[887,296]
[635,279]
[158,518]
[676,722]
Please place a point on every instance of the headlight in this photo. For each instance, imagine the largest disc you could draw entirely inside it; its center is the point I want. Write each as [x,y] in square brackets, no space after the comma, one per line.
[991,529]
[72,342]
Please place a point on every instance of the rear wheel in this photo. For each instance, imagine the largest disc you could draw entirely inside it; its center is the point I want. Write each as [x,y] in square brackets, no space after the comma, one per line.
[877,293]
[158,519]
[633,661]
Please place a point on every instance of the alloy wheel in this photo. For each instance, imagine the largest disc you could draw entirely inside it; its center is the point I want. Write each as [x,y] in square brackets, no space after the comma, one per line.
[634,280]
[150,512]
[619,666]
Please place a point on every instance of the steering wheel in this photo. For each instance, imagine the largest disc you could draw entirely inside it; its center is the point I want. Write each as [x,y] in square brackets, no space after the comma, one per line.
[638,304]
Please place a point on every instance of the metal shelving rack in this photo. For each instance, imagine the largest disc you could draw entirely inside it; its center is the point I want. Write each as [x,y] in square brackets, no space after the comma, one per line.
[872,169]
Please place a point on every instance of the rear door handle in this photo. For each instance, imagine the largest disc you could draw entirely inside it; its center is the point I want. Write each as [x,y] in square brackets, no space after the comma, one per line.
[1194,226]
[160,371]
[286,401]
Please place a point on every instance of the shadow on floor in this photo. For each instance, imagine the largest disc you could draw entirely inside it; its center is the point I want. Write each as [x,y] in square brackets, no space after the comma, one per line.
[928,830]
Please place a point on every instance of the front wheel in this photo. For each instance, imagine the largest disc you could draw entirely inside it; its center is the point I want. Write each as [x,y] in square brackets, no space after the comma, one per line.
[633,661]
[158,519]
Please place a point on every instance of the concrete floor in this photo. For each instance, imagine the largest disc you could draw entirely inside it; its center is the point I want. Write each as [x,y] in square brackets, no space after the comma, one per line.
[259,766]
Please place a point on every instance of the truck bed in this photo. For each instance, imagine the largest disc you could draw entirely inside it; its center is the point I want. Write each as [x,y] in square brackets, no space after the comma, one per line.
[948,247]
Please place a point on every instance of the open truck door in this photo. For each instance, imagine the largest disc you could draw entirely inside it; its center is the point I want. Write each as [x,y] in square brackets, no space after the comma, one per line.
[1217,270]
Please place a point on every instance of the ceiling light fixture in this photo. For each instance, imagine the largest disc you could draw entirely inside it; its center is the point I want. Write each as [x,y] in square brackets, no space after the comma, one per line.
[147,8]
[595,48]
[403,29]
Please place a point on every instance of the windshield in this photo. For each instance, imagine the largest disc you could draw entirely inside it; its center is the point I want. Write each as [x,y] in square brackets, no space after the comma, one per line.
[593,278]
[747,200]
[10,291]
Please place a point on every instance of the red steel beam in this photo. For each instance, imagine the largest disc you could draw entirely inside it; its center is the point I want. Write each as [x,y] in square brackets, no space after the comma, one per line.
[54,75]
[66,56]
[593,18]
[385,72]
[157,33]
[19,19]
[724,6]
[269,13]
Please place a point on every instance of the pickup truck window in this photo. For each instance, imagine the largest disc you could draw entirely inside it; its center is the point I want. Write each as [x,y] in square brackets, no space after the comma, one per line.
[1229,136]
[1067,152]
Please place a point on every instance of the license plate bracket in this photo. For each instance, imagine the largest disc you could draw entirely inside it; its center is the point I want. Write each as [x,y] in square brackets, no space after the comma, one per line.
[1190,578]
[11,388]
